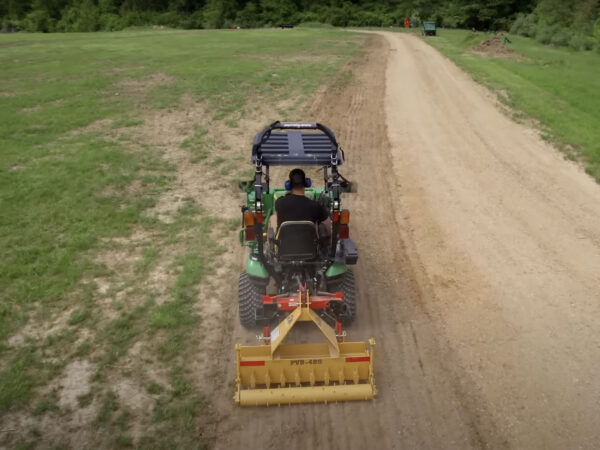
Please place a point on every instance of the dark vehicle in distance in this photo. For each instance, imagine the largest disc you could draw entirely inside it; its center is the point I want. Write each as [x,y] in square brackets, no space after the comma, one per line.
[429,29]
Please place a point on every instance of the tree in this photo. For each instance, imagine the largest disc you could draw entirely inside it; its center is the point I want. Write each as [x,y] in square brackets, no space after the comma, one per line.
[249,17]
[89,17]
[278,12]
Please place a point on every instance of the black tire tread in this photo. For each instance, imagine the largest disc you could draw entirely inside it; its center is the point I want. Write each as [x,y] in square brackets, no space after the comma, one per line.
[347,285]
[249,299]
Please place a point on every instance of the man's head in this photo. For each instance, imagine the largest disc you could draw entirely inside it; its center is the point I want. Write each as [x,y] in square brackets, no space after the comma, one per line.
[297,178]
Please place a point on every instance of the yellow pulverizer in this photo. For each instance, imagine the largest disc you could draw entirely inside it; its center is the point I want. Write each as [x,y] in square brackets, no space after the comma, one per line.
[273,373]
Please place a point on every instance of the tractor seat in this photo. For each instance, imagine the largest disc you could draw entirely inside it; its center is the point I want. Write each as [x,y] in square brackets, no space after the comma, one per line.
[297,241]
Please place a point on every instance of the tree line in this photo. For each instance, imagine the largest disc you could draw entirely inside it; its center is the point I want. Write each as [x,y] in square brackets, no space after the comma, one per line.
[574,23]
[559,22]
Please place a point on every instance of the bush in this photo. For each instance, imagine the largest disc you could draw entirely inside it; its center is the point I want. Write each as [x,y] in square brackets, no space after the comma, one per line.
[587,37]
[249,17]
[367,19]
[312,24]
[545,33]
[525,25]
[517,25]
[596,34]
[38,20]
[138,18]
[308,17]
[170,19]
[579,42]
[111,22]
[9,24]
[193,21]
[560,38]
[339,17]
[89,17]
[452,15]
[388,20]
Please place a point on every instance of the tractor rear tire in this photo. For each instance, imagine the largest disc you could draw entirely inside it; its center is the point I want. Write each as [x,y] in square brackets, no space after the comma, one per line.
[347,286]
[250,296]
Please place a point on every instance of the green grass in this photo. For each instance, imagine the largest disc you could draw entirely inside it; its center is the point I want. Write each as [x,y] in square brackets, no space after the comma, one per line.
[52,209]
[16,383]
[174,415]
[149,255]
[199,144]
[558,87]
[50,85]
[71,191]
[110,404]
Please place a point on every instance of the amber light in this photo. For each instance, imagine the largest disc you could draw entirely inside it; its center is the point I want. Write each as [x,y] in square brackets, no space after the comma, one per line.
[344,232]
[345,217]
[249,219]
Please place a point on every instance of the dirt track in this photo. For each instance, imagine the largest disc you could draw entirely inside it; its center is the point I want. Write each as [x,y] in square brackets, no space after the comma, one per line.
[479,273]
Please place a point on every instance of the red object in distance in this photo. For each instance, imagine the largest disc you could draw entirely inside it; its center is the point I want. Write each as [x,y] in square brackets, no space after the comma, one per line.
[407,23]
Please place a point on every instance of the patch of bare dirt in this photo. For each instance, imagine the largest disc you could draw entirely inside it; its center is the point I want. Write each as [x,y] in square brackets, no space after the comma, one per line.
[202,181]
[38,332]
[116,70]
[24,43]
[134,188]
[137,401]
[74,383]
[54,426]
[121,258]
[138,86]
[32,109]
[292,58]
[496,47]
[98,126]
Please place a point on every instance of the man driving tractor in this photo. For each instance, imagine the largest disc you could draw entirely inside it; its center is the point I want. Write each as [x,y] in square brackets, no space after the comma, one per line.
[296,206]
[290,277]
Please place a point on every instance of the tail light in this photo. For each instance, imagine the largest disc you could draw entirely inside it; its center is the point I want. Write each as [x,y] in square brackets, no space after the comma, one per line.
[344,217]
[249,219]
[344,232]
[249,234]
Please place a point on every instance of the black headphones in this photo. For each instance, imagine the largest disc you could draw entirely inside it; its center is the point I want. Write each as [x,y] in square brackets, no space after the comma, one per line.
[299,177]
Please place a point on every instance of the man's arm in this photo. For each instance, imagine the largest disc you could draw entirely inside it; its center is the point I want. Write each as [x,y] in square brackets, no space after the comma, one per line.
[327,223]
[325,219]
[277,214]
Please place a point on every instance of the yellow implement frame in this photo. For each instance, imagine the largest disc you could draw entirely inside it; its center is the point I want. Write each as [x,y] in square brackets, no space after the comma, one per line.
[276,373]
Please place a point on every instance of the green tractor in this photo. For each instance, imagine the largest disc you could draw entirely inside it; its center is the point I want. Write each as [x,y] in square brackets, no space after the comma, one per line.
[429,29]
[294,258]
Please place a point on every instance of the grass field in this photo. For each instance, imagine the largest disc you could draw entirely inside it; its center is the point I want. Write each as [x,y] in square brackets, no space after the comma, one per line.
[557,87]
[118,152]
